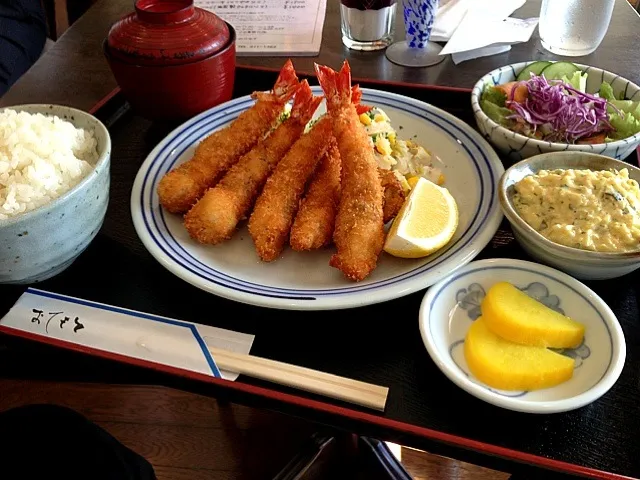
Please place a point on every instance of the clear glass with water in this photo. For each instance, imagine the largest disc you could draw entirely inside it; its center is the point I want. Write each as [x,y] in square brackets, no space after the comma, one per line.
[574,27]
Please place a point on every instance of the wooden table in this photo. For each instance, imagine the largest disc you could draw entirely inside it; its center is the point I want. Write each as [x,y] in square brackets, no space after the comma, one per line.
[616,53]
[424,409]
[77,74]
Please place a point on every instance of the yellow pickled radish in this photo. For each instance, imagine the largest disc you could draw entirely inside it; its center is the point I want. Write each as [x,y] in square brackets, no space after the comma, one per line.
[515,316]
[509,366]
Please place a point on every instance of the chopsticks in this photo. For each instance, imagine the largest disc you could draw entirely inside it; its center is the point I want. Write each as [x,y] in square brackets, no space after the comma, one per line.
[314,381]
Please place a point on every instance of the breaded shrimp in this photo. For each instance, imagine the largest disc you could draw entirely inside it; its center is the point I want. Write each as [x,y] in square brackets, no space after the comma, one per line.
[359,229]
[215,216]
[183,186]
[394,195]
[314,223]
[277,205]
[316,218]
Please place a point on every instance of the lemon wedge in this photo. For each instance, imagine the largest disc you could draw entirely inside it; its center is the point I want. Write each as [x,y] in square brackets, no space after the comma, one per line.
[426,222]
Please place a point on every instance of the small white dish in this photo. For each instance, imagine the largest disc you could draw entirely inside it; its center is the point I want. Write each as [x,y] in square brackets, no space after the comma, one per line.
[450,306]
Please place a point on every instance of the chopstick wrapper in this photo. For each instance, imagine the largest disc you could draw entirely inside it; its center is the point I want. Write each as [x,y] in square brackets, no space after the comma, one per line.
[143,336]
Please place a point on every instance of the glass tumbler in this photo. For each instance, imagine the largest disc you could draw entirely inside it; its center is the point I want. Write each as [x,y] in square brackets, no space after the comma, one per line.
[574,27]
[417,50]
[367,24]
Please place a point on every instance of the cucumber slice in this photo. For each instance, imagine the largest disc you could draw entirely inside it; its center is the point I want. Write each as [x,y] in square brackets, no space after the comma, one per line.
[535,68]
[557,70]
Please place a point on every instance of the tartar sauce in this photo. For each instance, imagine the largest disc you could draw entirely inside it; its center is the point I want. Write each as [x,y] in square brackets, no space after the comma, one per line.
[591,210]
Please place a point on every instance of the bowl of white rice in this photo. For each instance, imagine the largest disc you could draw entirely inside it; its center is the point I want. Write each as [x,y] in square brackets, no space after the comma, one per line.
[54,188]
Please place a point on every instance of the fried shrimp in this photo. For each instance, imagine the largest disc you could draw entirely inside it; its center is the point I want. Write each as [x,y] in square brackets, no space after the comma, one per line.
[314,223]
[316,218]
[182,187]
[215,216]
[277,205]
[359,229]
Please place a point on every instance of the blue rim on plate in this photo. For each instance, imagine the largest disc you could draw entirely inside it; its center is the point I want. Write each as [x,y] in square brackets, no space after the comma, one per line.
[151,221]
[520,401]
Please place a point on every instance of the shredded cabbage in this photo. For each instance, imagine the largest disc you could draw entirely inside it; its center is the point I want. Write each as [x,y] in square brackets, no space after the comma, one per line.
[558,112]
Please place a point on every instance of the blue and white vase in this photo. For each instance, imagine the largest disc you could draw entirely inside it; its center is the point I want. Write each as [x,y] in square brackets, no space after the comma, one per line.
[419,16]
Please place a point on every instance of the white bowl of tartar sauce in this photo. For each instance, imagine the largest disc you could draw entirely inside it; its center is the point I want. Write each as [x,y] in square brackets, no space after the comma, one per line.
[576,211]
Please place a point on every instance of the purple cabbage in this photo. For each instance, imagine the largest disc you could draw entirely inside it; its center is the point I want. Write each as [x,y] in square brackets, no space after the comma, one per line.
[558,111]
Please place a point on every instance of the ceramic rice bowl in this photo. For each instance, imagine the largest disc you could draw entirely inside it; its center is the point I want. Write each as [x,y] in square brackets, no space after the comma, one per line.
[41,243]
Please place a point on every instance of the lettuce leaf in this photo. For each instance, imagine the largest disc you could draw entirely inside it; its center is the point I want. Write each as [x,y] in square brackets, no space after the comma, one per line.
[493,95]
[606,91]
[577,81]
[628,123]
[495,112]
[625,126]
[492,102]
[626,106]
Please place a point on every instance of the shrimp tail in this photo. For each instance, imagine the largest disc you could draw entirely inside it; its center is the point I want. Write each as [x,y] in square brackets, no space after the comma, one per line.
[356,94]
[287,82]
[305,103]
[356,97]
[336,85]
[285,87]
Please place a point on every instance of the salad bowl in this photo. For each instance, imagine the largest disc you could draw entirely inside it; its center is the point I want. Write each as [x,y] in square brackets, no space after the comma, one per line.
[517,146]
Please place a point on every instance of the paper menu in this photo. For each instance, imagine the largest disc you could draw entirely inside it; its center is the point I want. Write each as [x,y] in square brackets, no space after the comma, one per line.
[123,332]
[272,27]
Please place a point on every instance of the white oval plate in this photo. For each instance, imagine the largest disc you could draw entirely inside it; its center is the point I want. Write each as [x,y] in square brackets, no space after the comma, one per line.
[450,306]
[305,281]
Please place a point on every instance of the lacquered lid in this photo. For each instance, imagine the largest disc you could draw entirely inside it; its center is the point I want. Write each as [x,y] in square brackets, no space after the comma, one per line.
[167,32]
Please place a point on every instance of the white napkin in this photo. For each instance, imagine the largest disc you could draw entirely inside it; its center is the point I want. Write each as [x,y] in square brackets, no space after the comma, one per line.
[449,15]
[451,12]
[480,52]
[477,28]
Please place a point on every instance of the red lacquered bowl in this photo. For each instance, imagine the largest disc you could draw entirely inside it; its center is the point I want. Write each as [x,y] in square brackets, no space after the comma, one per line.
[172,60]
